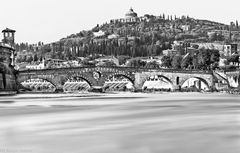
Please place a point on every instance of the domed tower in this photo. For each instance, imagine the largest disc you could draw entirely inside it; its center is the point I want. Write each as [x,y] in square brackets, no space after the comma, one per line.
[131,14]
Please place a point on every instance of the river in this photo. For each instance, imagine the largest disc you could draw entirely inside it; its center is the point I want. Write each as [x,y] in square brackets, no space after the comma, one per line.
[120,123]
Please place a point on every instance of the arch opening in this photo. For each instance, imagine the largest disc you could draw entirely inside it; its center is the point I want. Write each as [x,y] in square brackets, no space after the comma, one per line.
[195,84]
[233,81]
[158,82]
[118,82]
[76,84]
[39,85]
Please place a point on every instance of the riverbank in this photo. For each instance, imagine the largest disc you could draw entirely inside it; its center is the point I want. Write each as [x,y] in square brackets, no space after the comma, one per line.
[107,94]
[8,93]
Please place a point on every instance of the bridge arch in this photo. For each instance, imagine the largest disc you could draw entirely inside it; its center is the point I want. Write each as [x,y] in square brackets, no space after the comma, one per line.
[76,83]
[37,83]
[198,78]
[78,76]
[118,81]
[35,78]
[147,82]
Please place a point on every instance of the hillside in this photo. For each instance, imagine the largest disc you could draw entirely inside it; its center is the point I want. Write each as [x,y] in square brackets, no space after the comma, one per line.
[139,36]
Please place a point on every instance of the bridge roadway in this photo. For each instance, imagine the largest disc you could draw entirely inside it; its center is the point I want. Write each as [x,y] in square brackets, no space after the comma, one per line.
[97,76]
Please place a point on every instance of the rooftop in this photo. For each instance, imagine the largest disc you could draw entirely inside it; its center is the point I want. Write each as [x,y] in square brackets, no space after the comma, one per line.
[8,30]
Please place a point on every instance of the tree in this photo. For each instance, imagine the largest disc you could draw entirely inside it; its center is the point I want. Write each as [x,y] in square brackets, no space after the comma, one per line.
[122,59]
[176,62]
[204,60]
[135,62]
[18,60]
[152,65]
[166,61]
[35,58]
[68,55]
[147,16]
[158,50]
[45,49]
[29,59]
[108,64]
[41,58]
[195,63]
[163,16]
[214,59]
[24,58]
[2,59]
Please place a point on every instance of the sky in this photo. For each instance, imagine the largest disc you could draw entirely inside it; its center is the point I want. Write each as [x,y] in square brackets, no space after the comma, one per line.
[50,20]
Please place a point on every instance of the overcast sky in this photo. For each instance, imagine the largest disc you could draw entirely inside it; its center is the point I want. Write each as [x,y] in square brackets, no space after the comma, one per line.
[51,20]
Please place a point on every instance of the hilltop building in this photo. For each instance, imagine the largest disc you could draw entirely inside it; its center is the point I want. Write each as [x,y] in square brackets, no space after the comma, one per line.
[102,60]
[41,65]
[131,14]
[230,49]
[130,17]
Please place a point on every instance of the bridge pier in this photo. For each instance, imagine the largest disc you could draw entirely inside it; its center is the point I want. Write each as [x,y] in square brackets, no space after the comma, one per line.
[239,81]
[177,87]
[138,83]
[59,89]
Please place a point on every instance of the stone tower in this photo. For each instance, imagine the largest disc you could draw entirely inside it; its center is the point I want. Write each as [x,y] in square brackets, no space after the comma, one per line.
[9,36]
[9,41]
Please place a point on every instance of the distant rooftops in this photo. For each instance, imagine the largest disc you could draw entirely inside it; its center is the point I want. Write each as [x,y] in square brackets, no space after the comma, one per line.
[99,33]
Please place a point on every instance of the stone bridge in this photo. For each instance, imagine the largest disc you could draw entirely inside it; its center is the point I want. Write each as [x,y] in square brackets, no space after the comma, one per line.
[97,76]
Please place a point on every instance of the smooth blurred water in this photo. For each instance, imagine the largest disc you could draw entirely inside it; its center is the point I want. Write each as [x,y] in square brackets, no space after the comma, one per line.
[124,122]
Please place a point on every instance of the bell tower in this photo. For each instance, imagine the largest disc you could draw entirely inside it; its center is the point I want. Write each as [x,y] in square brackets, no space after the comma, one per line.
[9,39]
[9,36]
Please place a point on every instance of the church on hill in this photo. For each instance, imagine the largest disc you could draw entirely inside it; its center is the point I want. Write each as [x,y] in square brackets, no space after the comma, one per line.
[130,17]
